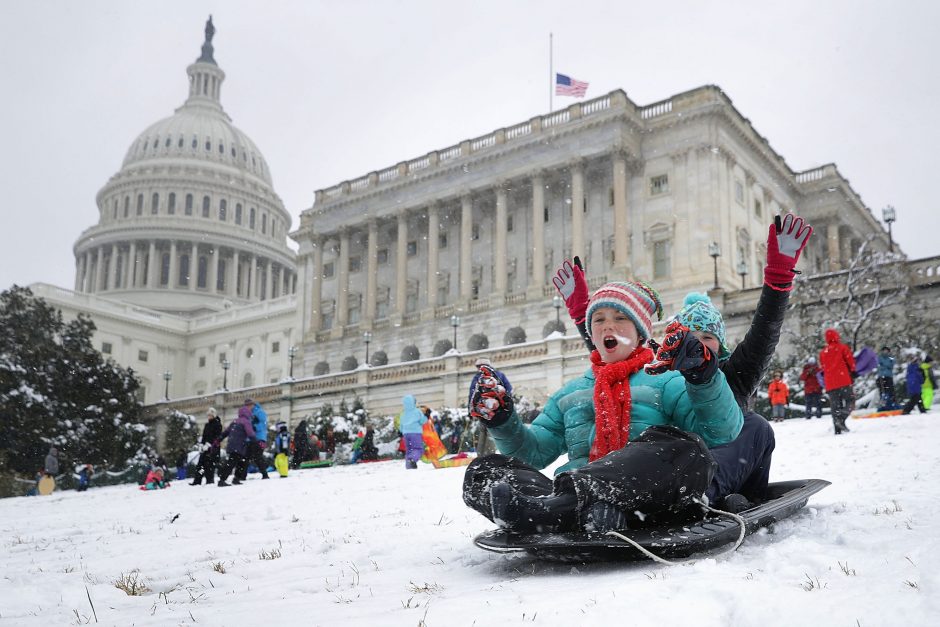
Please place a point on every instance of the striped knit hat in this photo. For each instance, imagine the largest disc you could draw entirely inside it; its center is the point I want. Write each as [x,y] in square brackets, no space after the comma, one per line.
[699,314]
[636,299]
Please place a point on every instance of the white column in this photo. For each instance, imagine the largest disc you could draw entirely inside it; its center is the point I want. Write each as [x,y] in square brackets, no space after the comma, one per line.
[231,273]
[466,247]
[81,272]
[371,270]
[434,233]
[213,278]
[193,267]
[269,279]
[99,269]
[78,274]
[316,285]
[834,249]
[174,266]
[342,280]
[537,280]
[577,210]
[109,277]
[152,265]
[499,245]
[621,255]
[401,264]
[131,267]
[253,288]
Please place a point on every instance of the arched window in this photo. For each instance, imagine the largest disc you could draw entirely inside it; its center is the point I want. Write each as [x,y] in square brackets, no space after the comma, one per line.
[195,142]
[140,204]
[171,203]
[208,144]
[248,380]
[221,149]
[251,218]
[154,203]
[165,269]
[189,204]
[223,210]
[166,144]
[220,277]
[127,205]
[205,206]
[184,270]
[202,272]
[180,144]
[264,223]
[238,213]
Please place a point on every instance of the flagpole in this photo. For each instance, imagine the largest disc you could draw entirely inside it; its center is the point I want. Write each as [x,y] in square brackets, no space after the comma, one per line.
[551,74]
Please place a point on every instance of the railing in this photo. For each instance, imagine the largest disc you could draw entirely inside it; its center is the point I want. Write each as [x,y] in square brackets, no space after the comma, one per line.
[518,130]
[359,184]
[450,153]
[555,119]
[419,164]
[593,106]
[389,174]
[816,174]
[483,142]
[657,109]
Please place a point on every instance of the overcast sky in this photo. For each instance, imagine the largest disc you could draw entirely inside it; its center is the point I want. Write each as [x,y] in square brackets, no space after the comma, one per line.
[332,90]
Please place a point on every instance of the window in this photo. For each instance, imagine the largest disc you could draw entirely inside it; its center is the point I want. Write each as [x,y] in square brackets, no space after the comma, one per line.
[238,213]
[202,361]
[739,191]
[180,143]
[327,270]
[475,232]
[106,348]
[660,260]
[381,302]
[220,277]
[326,315]
[355,264]
[659,184]
[610,196]
[442,240]
[189,204]
[509,223]
[165,269]
[202,272]
[142,355]
[184,271]
[221,149]
[195,142]
[412,248]
[208,144]
[167,143]
[411,297]
[758,209]
[114,206]
[248,380]
[545,215]
[381,256]
[355,309]
[443,287]
[205,206]
[222,357]
[223,210]
[251,218]
[264,223]
[275,347]
[140,204]
[171,203]
[127,204]
[250,353]
[154,203]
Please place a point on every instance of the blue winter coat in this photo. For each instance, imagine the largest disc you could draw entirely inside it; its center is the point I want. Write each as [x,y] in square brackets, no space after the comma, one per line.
[259,420]
[566,424]
[411,417]
[914,379]
[885,366]
[239,432]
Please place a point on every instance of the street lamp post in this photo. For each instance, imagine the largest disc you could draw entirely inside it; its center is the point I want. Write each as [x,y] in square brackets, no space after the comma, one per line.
[742,270]
[290,353]
[556,303]
[367,337]
[889,215]
[167,375]
[226,364]
[455,322]
[714,251]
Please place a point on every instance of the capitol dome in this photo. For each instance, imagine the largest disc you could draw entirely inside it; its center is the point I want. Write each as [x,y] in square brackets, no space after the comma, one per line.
[191,222]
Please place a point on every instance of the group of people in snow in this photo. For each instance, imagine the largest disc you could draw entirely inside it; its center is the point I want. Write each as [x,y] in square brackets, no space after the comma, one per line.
[247,438]
[650,429]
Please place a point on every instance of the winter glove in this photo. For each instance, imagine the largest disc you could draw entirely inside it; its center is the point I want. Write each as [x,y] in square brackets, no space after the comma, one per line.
[684,352]
[785,241]
[570,282]
[489,401]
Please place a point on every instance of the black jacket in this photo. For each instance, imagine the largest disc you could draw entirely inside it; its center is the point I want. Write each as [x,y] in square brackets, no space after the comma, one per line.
[212,431]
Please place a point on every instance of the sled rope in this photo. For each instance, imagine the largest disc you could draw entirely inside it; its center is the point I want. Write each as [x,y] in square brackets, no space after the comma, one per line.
[662,560]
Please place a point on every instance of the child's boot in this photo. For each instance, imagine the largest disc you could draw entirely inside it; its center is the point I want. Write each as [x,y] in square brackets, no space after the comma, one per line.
[532,514]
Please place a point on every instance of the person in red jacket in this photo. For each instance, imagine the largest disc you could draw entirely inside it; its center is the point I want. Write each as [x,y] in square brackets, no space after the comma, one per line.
[812,389]
[838,367]
[779,395]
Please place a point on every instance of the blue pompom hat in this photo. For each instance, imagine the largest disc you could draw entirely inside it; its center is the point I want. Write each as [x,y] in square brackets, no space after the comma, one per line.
[699,314]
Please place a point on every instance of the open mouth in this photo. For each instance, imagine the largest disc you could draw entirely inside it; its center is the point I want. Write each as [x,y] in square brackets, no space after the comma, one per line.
[610,342]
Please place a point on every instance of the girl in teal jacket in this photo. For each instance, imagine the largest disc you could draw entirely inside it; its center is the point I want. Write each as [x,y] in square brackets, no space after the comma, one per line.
[594,417]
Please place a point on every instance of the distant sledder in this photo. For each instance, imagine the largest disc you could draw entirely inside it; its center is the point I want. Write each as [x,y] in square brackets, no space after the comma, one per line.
[698,425]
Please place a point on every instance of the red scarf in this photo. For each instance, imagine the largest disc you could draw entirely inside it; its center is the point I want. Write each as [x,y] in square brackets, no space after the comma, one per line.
[612,400]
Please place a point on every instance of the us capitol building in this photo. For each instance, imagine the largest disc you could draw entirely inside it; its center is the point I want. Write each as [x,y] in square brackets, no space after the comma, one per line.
[191,282]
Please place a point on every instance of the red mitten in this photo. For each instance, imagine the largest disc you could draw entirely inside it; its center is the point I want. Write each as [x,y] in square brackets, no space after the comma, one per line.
[570,282]
[785,242]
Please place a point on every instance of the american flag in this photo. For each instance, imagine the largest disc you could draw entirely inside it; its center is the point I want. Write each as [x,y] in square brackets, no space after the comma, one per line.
[567,86]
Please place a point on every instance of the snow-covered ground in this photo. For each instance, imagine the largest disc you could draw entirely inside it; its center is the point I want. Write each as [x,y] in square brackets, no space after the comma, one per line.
[375,544]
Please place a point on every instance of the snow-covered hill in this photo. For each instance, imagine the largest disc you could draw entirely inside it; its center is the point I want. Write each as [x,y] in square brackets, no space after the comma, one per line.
[375,544]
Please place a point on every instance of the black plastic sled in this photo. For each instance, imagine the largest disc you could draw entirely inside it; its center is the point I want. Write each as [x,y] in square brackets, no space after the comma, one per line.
[785,498]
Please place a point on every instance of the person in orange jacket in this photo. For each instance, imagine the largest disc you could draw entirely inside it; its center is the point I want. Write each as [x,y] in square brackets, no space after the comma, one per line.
[838,366]
[779,395]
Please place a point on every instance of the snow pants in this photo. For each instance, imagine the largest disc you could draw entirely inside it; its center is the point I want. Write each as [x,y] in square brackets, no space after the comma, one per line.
[744,463]
[814,405]
[208,460]
[840,404]
[414,449]
[916,400]
[886,390]
[236,462]
[659,472]
[256,456]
